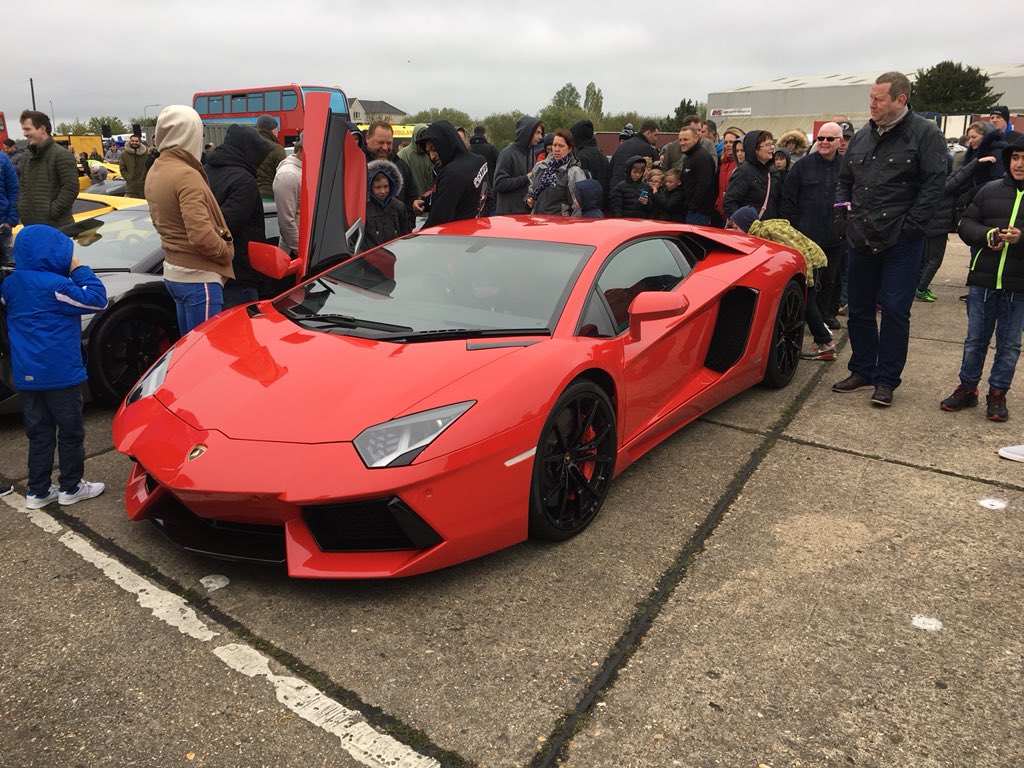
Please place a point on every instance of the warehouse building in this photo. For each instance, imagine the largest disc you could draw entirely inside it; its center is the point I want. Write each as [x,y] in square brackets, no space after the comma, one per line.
[799,102]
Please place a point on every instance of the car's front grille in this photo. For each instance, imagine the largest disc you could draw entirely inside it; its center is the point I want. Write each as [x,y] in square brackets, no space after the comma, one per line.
[380,525]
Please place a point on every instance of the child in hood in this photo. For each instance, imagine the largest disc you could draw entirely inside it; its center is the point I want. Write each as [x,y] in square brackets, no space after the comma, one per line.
[386,216]
[588,198]
[781,231]
[631,197]
[45,298]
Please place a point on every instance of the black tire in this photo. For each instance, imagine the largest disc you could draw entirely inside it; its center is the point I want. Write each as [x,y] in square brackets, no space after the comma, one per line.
[787,338]
[574,463]
[128,340]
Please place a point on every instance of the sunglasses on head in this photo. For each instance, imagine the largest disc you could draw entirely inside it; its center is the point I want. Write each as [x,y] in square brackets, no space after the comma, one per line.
[829,138]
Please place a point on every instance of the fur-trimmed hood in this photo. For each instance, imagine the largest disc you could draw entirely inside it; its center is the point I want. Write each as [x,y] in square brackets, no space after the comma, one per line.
[802,145]
[374,169]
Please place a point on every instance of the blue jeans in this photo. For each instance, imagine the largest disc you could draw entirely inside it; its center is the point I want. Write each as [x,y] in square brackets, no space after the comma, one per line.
[698,218]
[195,302]
[888,278]
[989,310]
[53,419]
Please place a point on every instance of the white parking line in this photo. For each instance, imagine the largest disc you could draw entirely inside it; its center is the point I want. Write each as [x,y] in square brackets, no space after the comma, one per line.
[357,737]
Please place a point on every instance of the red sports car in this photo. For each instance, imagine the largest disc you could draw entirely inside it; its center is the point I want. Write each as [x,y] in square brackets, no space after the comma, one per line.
[452,392]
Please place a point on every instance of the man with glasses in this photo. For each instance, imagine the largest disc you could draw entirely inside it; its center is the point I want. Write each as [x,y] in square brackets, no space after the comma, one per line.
[893,178]
[808,201]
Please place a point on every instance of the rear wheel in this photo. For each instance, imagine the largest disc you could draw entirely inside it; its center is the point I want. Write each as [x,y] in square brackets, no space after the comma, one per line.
[573,466]
[129,339]
[787,338]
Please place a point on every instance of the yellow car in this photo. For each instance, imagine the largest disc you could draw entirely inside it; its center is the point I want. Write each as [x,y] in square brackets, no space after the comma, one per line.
[87,205]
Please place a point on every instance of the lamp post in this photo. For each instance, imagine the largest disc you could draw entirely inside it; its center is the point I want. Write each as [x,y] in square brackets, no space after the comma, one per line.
[144,115]
[53,117]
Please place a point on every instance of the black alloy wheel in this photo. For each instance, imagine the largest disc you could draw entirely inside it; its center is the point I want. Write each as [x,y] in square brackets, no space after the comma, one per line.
[787,338]
[574,463]
[130,338]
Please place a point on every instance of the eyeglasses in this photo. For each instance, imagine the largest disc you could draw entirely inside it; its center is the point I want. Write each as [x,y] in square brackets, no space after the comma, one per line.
[829,138]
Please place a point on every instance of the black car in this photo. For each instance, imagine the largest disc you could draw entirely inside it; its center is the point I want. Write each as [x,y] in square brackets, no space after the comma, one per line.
[140,323]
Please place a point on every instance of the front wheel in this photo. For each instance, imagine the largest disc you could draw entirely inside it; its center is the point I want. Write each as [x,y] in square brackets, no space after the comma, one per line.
[787,338]
[574,463]
[129,339]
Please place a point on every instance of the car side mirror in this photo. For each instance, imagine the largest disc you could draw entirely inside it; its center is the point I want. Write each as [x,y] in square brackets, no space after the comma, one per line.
[271,260]
[654,305]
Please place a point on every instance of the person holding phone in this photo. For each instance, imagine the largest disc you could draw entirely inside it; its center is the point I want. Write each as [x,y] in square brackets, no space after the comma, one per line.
[991,226]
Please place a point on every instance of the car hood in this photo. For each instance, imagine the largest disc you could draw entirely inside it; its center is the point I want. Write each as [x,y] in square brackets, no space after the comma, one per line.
[266,378]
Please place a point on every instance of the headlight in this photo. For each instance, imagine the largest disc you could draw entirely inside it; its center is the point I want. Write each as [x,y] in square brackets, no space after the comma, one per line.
[151,382]
[396,443]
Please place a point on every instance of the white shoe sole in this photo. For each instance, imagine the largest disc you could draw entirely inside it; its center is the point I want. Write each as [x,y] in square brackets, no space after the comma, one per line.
[1012,456]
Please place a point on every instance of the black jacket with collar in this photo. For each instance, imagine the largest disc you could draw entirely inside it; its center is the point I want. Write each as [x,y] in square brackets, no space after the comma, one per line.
[809,196]
[894,182]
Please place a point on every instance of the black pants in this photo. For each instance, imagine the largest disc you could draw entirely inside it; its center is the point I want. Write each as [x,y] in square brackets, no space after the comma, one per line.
[53,420]
[831,276]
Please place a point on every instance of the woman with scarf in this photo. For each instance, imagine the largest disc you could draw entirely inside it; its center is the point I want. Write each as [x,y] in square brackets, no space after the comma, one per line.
[553,185]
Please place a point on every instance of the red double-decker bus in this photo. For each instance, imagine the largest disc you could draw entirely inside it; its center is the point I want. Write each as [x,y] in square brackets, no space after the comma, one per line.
[285,102]
[3,127]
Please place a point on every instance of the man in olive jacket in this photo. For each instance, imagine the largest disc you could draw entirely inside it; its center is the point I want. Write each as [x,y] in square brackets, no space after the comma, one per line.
[133,167]
[267,127]
[49,175]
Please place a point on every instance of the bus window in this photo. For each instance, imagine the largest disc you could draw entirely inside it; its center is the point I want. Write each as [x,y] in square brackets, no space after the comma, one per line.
[255,102]
[272,103]
[338,103]
[216,105]
[289,100]
[238,104]
[201,105]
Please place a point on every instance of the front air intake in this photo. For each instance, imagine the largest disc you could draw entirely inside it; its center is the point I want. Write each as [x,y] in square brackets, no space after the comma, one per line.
[380,525]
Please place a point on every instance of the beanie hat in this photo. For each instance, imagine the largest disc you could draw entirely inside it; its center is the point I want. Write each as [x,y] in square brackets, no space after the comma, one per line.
[266,123]
[744,217]
[1003,112]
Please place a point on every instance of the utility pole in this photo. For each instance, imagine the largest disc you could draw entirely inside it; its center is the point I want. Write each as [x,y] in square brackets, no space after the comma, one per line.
[32,88]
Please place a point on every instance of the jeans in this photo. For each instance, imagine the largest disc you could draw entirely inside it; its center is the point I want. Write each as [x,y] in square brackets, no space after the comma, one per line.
[888,278]
[990,310]
[237,293]
[935,250]
[53,419]
[699,219]
[195,302]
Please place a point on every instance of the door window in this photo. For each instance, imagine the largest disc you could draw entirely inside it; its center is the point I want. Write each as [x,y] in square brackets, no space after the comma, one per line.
[647,265]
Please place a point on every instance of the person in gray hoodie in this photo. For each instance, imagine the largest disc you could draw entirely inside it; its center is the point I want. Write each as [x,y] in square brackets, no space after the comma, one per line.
[512,176]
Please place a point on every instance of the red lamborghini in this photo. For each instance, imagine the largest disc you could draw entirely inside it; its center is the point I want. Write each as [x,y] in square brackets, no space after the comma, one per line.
[450,393]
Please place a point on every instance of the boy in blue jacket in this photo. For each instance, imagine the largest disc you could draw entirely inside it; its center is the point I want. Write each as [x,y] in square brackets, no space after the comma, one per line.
[45,297]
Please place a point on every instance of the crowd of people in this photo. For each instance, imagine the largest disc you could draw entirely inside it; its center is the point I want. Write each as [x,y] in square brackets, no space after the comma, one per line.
[870,209]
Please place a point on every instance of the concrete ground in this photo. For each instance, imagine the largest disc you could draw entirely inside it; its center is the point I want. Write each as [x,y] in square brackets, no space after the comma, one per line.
[797,579]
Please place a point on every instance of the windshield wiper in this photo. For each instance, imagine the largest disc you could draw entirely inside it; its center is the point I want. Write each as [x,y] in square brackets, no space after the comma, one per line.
[347,321]
[464,333]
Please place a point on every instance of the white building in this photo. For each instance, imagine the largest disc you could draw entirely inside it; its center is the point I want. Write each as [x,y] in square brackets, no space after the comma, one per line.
[797,102]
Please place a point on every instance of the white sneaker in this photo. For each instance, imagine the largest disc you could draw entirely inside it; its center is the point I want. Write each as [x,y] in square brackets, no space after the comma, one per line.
[1012,452]
[84,491]
[38,502]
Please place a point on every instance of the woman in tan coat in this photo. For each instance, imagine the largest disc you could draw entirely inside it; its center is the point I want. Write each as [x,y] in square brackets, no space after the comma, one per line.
[196,241]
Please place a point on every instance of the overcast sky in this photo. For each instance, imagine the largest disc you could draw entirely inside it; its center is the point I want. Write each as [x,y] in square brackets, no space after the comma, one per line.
[480,56]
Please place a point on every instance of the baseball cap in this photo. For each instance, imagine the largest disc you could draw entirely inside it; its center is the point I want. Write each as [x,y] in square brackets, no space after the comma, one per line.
[848,129]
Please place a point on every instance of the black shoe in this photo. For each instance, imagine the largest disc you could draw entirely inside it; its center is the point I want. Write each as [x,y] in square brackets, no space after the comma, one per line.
[882,396]
[832,324]
[996,401]
[962,397]
[851,383]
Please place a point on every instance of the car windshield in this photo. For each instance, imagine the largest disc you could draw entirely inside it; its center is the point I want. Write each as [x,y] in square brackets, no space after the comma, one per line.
[437,286]
[114,241]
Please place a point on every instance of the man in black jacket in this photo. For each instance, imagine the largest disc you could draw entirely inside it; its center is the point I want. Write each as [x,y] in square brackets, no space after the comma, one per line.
[639,144]
[460,187]
[892,177]
[512,174]
[590,157]
[231,169]
[479,145]
[808,202]
[700,190]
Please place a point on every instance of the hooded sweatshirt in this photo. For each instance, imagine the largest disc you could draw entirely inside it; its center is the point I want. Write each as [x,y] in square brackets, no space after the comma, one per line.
[753,183]
[997,205]
[389,218]
[287,195]
[45,301]
[590,197]
[192,228]
[460,188]
[420,167]
[232,169]
[510,177]
[590,157]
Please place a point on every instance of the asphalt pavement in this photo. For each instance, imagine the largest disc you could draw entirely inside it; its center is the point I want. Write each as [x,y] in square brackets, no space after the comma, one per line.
[796,579]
